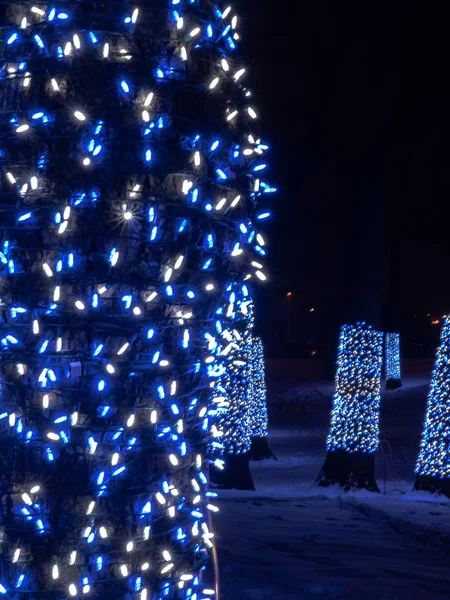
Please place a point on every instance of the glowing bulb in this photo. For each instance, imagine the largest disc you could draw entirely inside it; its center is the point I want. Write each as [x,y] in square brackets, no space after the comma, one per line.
[148,99]
[123,349]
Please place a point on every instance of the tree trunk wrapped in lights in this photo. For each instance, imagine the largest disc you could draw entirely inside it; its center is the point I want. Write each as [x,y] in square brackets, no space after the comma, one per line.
[260,448]
[353,438]
[433,462]
[233,402]
[392,361]
[130,183]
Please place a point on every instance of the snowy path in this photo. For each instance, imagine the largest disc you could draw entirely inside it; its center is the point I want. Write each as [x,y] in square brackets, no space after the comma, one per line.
[290,541]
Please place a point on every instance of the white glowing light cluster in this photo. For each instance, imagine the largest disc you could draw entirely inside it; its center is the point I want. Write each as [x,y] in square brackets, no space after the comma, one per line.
[392,356]
[257,386]
[355,412]
[434,455]
[122,217]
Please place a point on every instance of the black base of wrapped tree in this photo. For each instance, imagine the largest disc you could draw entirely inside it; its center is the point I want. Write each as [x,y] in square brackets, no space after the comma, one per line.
[260,449]
[434,485]
[393,384]
[235,475]
[350,470]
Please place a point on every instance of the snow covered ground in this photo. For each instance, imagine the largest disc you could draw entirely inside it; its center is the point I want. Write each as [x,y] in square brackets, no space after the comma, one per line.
[290,540]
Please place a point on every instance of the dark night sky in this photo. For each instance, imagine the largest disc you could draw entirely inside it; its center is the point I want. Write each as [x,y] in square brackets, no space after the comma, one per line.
[355,100]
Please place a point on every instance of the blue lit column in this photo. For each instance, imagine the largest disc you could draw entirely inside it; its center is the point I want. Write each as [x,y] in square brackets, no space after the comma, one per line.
[260,448]
[133,195]
[353,436]
[433,462]
[233,397]
[392,361]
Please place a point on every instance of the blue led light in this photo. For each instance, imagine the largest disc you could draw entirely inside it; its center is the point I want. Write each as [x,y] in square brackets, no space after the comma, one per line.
[39,41]
[260,167]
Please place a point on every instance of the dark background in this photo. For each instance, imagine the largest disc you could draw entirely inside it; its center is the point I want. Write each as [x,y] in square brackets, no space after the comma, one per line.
[355,101]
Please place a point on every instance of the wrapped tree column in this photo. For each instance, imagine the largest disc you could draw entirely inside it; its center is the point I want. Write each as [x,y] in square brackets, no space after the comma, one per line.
[353,436]
[433,462]
[392,361]
[260,448]
[233,399]
[131,174]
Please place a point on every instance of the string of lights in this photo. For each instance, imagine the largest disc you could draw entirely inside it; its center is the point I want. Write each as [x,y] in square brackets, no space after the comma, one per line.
[233,404]
[132,192]
[233,401]
[353,436]
[258,417]
[258,405]
[392,360]
[433,462]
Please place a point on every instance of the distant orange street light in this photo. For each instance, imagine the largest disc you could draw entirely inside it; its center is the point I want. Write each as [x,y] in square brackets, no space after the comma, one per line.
[289,294]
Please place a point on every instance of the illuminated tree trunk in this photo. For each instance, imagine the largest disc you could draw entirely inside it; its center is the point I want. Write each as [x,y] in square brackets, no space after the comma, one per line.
[392,361]
[433,462]
[353,436]
[131,179]
[233,404]
[260,448]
